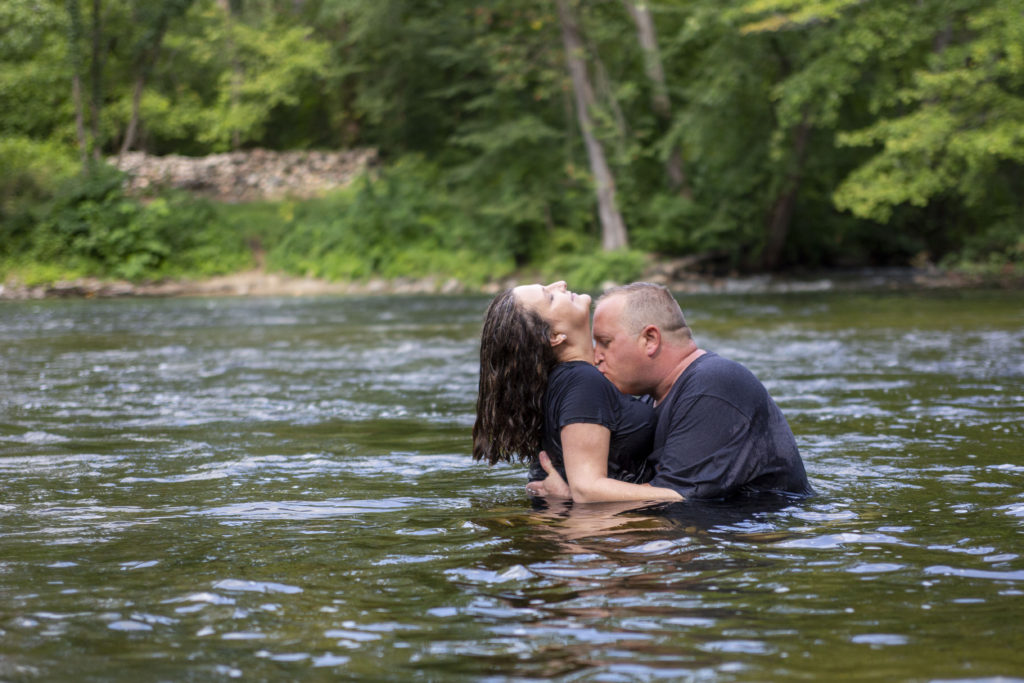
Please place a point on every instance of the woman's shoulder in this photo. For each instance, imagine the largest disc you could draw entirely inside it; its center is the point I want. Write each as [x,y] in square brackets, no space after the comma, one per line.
[578,377]
[577,371]
[578,392]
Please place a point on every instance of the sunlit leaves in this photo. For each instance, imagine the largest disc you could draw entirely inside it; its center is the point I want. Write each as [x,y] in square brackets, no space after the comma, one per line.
[35,81]
[785,14]
[966,118]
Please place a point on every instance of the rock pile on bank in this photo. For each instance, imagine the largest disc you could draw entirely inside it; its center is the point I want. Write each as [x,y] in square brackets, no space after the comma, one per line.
[249,175]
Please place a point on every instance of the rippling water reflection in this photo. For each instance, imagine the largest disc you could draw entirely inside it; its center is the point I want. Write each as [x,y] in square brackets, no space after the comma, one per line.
[281,488]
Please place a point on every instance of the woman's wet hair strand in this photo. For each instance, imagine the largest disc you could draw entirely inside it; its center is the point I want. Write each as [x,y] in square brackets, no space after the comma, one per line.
[516,358]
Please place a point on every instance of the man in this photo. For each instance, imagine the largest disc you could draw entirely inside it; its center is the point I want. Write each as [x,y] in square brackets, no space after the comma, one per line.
[719,433]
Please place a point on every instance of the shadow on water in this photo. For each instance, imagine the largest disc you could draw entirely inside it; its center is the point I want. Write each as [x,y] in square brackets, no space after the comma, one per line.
[746,515]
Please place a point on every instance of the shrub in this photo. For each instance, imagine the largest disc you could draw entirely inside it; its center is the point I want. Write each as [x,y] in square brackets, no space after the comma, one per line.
[30,172]
[91,227]
[997,250]
[406,222]
[595,270]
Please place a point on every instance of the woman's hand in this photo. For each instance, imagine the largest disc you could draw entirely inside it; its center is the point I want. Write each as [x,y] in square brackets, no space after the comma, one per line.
[553,485]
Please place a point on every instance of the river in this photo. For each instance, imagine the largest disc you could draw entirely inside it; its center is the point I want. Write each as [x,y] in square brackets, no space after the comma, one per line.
[281,488]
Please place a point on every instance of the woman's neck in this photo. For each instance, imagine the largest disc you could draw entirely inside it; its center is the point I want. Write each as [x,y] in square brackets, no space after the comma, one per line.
[577,347]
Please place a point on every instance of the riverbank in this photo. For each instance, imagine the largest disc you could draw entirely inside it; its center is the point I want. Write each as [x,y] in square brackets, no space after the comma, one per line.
[261,283]
[406,230]
[248,283]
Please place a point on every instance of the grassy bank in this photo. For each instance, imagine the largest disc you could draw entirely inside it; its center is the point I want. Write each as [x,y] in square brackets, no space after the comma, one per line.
[401,224]
[404,224]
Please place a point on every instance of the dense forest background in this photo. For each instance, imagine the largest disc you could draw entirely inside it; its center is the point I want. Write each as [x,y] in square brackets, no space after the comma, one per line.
[568,137]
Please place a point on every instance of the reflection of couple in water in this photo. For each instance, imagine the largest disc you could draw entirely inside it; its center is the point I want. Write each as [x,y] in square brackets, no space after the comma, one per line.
[552,394]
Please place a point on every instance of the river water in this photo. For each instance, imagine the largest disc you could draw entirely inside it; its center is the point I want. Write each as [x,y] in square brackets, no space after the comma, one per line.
[276,489]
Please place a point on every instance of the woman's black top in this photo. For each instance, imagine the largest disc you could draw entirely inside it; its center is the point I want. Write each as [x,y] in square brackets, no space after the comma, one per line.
[578,392]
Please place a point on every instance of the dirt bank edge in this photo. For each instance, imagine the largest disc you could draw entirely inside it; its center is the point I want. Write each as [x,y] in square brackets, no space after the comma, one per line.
[261,283]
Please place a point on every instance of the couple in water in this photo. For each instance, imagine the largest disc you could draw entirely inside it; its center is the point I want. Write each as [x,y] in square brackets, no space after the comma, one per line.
[634,411]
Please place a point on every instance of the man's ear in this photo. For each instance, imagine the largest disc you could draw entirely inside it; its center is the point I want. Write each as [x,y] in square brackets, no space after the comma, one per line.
[651,338]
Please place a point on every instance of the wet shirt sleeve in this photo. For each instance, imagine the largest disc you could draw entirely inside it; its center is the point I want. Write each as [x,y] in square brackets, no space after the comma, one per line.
[582,395]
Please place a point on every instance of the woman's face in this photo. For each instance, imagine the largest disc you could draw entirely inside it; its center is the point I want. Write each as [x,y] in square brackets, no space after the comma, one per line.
[560,308]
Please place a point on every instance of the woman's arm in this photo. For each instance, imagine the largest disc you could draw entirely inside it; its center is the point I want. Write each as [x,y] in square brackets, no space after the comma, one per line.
[585,452]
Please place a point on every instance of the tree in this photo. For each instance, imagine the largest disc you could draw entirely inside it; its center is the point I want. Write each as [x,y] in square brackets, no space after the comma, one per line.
[613,230]
[221,80]
[96,76]
[153,20]
[961,128]
[74,51]
[935,91]
[837,59]
[647,37]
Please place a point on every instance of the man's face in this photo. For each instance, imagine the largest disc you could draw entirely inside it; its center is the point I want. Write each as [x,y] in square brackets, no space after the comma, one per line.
[619,355]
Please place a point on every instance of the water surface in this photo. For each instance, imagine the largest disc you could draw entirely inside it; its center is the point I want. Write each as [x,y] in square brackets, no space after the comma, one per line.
[273,489]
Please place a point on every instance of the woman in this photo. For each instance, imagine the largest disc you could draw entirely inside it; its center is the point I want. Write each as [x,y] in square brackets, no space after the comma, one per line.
[539,389]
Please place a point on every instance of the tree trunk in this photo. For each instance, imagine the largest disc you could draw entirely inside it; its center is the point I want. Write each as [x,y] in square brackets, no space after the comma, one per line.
[145,58]
[96,76]
[74,11]
[133,123]
[782,211]
[613,230]
[237,76]
[648,40]
[660,102]
[605,93]
[76,98]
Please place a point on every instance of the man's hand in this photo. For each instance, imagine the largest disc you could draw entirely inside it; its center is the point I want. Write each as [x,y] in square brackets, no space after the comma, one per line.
[553,485]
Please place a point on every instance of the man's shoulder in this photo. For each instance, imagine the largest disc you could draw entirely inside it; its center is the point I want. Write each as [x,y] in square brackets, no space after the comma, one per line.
[715,377]
[713,370]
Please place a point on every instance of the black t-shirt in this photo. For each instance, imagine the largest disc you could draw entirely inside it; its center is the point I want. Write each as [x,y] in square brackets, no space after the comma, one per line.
[578,392]
[719,433]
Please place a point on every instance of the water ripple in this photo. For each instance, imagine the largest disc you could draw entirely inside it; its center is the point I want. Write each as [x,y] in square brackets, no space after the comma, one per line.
[259,488]
[304,510]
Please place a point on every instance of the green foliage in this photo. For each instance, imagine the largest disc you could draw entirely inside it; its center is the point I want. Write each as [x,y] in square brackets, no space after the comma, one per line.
[91,227]
[965,118]
[23,271]
[35,83]
[227,76]
[512,149]
[933,91]
[594,270]
[998,250]
[387,51]
[671,224]
[405,223]
[271,70]
[871,131]
[30,171]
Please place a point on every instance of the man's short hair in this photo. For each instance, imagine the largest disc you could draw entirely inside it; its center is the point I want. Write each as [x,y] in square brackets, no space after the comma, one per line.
[649,304]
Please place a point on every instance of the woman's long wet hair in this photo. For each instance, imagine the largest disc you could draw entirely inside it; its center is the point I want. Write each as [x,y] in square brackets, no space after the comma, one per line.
[516,358]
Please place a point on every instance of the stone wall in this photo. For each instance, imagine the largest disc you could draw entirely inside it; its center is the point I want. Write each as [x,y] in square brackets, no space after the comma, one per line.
[249,175]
